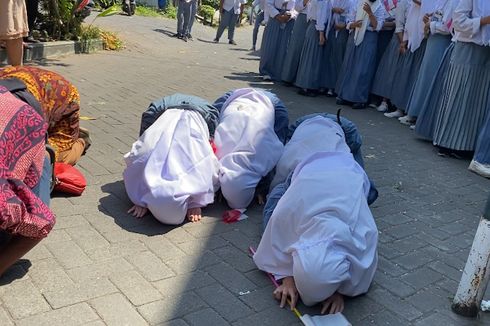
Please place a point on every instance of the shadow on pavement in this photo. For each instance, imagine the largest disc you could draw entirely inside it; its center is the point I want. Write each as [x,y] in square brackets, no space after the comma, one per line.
[165,32]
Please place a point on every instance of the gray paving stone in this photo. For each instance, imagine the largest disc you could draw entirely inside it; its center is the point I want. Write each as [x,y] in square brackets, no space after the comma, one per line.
[68,254]
[421,278]
[395,304]
[437,319]
[197,246]
[230,278]
[236,258]
[193,262]
[39,252]
[171,308]
[269,317]
[174,286]
[116,310]
[79,314]
[22,300]
[87,237]
[115,250]
[99,269]
[394,285]
[163,248]
[134,286]
[175,322]
[260,299]
[4,318]
[205,317]
[70,221]
[225,303]
[413,260]
[150,266]
[430,300]
[48,275]
[385,318]
[446,270]
[357,309]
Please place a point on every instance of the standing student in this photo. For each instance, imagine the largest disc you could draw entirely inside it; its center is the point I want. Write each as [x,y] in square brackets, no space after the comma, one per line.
[184,12]
[296,42]
[276,38]
[13,27]
[259,20]
[409,64]
[439,25]
[336,42]
[359,65]
[192,19]
[311,63]
[467,102]
[384,80]
[230,11]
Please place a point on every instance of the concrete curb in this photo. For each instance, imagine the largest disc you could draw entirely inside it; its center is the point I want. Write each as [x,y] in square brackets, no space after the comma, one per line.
[45,50]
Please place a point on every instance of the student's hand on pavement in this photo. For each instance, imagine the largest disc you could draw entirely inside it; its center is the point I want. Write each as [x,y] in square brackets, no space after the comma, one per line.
[287,290]
[335,302]
[138,211]
[367,9]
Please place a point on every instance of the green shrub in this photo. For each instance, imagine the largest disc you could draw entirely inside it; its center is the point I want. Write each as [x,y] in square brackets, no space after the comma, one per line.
[211,3]
[170,12]
[207,12]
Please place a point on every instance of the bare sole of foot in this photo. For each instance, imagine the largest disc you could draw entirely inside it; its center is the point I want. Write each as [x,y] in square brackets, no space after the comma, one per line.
[194,214]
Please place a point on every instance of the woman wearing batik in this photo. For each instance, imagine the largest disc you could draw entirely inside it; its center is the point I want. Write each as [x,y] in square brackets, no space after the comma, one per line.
[247,144]
[466,106]
[359,65]
[410,61]
[276,37]
[321,239]
[60,102]
[295,46]
[438,23]
[312,55]
[23,216]
[171,169]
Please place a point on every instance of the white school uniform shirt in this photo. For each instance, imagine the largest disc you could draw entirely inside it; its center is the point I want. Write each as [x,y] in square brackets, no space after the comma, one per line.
[274,7]
[233,4]
[319,10]
[263,7]
[414,27]
[443,13]
[172,167]
[401,13]
[357,13]
[466,21]
[300,7]
[335,18]
[247,146]
[322,232]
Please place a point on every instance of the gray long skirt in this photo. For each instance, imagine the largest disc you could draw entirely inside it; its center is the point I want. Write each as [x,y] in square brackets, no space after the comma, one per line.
[310,64]
[467,98]
[333,57]
[406,76]
[274,46]
[384,38]
[482,152]
[293,53]
[358,69]
[385,75]
[428,112]
[434,52]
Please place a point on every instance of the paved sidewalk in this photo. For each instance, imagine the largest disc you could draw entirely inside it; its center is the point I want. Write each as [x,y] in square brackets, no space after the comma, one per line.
[102,267]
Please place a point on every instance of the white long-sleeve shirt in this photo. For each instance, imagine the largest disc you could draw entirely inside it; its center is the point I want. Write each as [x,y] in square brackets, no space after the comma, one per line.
[346,5]
[379,13]
[233,4]
[300,7]
[466,22]
[274,7]
[259,3]
[443,15]
[319,11]
[401,15]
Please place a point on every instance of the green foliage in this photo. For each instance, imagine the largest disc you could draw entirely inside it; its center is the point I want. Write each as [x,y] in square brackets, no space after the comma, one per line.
[170,12]
[207,12]
[59,20]
[104,4]
[110,40]
[211,3]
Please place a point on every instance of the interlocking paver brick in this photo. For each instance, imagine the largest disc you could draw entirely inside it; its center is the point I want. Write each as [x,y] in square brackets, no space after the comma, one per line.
[86,237]
[204,318]
[48,275]
[171,308]
[430,299]
[115,250]
[116,310]
[269,317]
[39,252]
[236,258]
[394,304]
[150,266]
[70,221]
[224,302]
[193,262]
[79,314]
[176,285]
[22,299]
[104,268]
[4,318]
[394,284]
[163,248]
[230,278]
[197,246]
[69,254]
[134,286]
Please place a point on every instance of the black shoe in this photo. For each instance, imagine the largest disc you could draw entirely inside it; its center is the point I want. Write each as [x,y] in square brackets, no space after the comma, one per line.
[189,37]
[287,84]
[176,35]
[330,93]
[342,102]
[253,48]
[306,92]
[184,38]
[359,106]
[216,40]
[232,42]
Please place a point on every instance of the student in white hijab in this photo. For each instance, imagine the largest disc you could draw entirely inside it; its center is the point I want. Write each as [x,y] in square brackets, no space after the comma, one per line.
[171,169]
[321,239]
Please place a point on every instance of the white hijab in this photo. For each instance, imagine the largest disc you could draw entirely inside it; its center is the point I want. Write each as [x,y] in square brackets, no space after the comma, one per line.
[172,167]
[247,145]
[322,232]
[414,27]
[362,15]
[318,134]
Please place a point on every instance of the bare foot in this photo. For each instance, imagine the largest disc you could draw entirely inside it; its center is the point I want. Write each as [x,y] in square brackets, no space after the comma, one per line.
[335,303]
[194,214]
[138,211]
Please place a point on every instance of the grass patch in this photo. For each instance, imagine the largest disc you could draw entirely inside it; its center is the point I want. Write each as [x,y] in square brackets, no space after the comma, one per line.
[110,40]
[146,11]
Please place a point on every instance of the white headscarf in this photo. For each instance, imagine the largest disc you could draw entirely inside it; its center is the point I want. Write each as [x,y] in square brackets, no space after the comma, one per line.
[172,167]
[317,134]
[414,27]
[322,232]
[362,15]
[247,145]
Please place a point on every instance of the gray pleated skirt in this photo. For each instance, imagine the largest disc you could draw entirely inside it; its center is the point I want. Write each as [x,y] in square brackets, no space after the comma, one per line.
[482,152]
[384,38]
[274,46]
[333,57]
[406,75]
[385,74]
[434,52]
[427,117]
[310,63]
[358,69]
[466,100]
[295,46]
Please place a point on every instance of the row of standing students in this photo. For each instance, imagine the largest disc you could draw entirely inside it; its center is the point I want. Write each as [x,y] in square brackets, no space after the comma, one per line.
[428,62]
